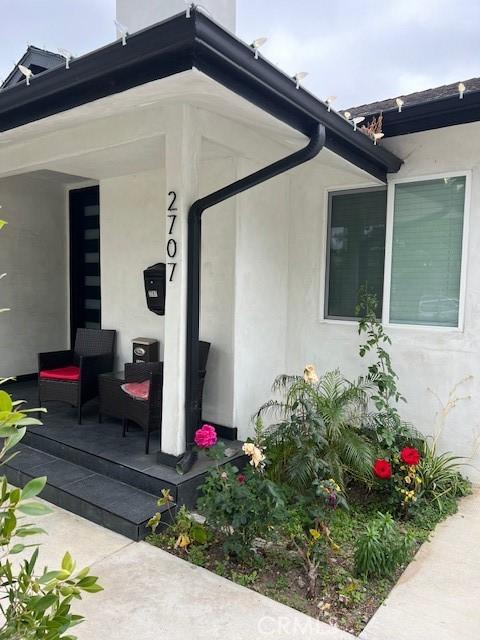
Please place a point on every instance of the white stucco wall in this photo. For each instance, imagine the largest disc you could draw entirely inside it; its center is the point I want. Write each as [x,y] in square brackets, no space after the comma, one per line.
[34,255]
[261,293]
[428,360]
[132,233]
[217,313]
[137,14]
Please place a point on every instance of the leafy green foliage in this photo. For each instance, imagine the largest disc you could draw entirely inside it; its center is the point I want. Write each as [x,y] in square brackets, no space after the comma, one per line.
[381,548]
[244,579]
[319,433]
[440,476]
[389,430]
[34,604]
[239,506]
[184,530]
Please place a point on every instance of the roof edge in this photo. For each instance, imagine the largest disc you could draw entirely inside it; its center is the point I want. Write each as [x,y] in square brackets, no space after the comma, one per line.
[179,44]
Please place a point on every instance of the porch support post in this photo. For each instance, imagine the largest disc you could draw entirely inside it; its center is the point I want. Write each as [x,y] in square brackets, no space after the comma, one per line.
[182,156]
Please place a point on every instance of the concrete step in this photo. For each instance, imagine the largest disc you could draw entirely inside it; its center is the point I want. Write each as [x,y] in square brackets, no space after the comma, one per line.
[107,501]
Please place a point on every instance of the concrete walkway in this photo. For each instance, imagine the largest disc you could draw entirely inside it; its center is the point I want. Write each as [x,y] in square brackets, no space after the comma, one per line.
[150,594]
[438,596]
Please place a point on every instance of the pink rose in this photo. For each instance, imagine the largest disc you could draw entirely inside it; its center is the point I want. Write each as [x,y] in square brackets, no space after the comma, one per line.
[205,437]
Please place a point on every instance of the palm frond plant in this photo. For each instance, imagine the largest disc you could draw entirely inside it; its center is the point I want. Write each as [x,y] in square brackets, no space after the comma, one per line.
[317,434]
[440,475]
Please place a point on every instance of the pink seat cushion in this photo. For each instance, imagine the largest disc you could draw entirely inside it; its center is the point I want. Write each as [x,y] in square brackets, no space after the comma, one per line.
[67,374]
[137,390]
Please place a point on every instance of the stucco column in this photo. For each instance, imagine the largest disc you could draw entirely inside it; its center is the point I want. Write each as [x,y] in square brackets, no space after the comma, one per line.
[182,157]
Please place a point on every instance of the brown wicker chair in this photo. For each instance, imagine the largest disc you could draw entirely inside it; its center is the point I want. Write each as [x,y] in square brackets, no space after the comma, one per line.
[146,413]
[72,376]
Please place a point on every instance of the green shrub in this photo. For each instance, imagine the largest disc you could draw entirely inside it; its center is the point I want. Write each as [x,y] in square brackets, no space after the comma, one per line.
[319,434]
[34,604]
[238,506]
[381,548]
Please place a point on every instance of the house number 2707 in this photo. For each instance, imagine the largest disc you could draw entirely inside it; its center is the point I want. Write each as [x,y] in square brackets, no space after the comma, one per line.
[171,242]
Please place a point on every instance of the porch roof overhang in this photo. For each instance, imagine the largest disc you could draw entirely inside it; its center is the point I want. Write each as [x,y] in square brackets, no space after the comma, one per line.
[181,44]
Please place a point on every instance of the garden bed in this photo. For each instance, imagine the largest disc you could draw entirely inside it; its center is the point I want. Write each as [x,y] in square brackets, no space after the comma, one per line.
[274,570]
[338,494]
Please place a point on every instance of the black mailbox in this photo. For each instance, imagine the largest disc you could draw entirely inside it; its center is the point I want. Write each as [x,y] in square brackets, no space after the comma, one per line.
[155,282]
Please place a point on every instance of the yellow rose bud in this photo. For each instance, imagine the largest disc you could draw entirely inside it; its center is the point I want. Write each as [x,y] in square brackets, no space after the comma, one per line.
[309,374]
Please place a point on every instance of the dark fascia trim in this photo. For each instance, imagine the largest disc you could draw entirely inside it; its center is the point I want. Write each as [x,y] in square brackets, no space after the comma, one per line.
[436,114]
[179,44]
[151,54]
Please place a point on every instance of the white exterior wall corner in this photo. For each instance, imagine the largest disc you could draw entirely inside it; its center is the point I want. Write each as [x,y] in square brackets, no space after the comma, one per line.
[34,256]
[429,361]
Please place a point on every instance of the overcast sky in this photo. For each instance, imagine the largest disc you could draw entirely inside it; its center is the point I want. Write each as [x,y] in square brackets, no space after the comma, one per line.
[360,50]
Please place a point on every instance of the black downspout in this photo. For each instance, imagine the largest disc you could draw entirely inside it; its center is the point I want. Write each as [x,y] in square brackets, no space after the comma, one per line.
[192,408]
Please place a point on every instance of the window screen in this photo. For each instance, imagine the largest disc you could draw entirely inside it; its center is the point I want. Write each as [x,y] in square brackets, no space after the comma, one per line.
[427,252]
[356,249]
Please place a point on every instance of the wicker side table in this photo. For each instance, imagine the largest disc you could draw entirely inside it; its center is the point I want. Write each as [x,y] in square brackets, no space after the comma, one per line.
[111,394]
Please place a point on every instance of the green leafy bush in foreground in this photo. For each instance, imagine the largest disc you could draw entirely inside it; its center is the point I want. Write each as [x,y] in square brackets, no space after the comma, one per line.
[33,604]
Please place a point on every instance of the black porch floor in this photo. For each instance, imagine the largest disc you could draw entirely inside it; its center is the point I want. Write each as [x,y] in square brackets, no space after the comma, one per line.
[94,472]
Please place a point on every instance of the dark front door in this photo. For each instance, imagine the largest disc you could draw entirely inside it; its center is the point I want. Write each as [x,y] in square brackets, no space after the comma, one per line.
[85,296]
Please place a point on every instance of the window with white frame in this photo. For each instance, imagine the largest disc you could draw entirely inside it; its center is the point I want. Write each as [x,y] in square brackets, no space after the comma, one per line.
[356,249]
[424,249]
[427,252]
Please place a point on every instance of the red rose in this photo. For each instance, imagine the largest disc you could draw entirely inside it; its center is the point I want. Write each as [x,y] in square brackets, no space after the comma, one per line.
[382,469]
[241,478]
[410,456]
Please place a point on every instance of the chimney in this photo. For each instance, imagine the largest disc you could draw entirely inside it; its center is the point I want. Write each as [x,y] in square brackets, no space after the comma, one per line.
[138,14]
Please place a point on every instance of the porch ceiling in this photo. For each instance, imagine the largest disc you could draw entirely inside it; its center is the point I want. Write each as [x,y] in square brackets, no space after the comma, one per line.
[164,51]
[125,133]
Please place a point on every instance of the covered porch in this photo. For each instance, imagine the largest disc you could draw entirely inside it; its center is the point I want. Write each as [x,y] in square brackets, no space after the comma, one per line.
[154,132]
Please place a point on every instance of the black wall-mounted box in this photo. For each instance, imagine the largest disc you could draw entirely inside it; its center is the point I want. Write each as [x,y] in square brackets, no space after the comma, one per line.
[155,278]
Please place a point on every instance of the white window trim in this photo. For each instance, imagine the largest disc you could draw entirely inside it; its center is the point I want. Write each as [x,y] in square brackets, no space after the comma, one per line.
[467,174]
